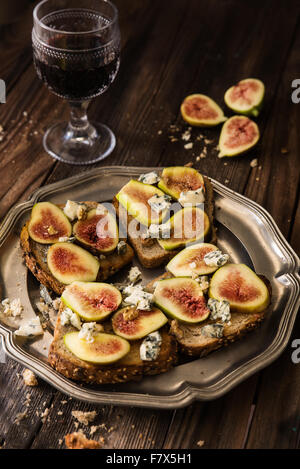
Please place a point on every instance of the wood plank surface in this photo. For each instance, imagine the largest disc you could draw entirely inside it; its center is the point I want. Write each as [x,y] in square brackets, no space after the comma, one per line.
[167,53]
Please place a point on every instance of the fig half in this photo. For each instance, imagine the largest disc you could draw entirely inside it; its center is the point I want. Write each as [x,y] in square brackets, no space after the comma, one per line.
[177,179]
[105,348]
[201,111]
[134,198]
[68,262]
[92,301]
[238,135]
[182,299]
[187,226]
[143,324]
[246,97]
[190,261]
[99,231]
[48,223]
[239,285]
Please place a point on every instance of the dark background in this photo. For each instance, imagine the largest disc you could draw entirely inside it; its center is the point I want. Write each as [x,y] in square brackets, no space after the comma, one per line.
[169,49]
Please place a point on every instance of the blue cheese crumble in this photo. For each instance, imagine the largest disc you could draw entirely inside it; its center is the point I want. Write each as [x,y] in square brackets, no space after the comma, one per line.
[88,332]
[121,247]
[149,178]
[135,295]
[135,275]
[192,197]
[219,310]
[150,347]
[213,331]
[215,258]
[159,231]
[69,317]
[159,203]
[74,210]
[31,328]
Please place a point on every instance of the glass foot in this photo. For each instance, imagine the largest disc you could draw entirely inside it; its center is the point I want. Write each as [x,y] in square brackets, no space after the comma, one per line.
[66,144]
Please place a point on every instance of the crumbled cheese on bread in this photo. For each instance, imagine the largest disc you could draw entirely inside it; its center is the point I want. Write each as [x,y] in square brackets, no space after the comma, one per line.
[219,310]
[150,347]
[69,317]
[75,210]
[134,275]
[192,197]
[215,258]
[121,247]
[135,295]
[149,178]
[158,203]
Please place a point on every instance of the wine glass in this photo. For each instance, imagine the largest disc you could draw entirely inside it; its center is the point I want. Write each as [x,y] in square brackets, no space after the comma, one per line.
[76,52]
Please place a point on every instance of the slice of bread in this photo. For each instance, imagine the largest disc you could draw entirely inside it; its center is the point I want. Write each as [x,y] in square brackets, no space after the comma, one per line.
[35,256]
[149,251]
[129,368]
[192,342]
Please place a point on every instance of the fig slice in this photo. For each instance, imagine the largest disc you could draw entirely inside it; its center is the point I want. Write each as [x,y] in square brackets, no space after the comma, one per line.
[239,285]
[182,299]
[48,223]
[201,111]
[188,225]
[134,198]
[246,97]
[92,301]
[99,231]
[105,348]
[141,324]
[190,261]
[177,179]
[68,262]
[238,134]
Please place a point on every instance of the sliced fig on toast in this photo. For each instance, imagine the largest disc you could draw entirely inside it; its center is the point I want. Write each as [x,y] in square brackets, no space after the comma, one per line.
[177,179]
[69,263]
[105,348]
[134,197]
[99,231]
[182,299]
[238,135]
[190,261]
[92,301]
[241,287]
[246,97]
[141,324]
[201,111]
[187,226]
[48,223]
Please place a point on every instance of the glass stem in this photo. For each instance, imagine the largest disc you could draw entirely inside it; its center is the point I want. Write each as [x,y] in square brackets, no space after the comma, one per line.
[79,126]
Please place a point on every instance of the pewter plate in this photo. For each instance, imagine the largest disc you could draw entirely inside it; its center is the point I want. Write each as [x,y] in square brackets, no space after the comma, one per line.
[245,231]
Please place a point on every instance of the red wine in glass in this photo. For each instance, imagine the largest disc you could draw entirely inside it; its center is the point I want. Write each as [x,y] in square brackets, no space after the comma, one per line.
[76,52]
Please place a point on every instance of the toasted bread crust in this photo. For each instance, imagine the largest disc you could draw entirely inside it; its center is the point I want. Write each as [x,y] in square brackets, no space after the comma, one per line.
[35,258]
[191,341]
[151,254]
[129,368]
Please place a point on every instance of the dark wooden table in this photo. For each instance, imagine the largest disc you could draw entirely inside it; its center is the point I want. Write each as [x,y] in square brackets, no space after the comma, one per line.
[169,49]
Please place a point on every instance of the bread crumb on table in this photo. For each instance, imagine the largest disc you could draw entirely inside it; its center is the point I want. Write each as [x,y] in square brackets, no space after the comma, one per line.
[29,378]
[254,163]
[78,440]
[200,443]
[84,417]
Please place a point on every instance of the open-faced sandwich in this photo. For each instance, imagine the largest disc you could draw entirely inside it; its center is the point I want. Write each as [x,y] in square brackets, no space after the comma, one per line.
[112,333]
